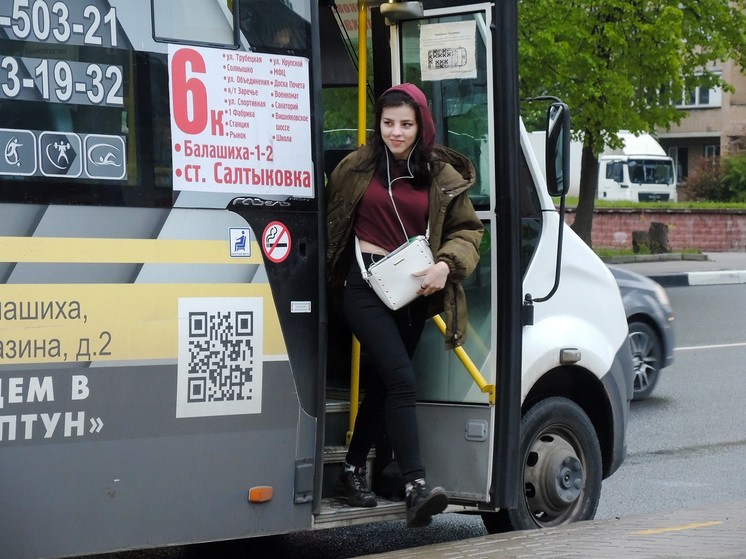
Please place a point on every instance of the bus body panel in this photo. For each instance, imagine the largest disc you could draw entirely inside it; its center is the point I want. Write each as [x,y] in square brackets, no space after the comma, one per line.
[98,441]
[146,479]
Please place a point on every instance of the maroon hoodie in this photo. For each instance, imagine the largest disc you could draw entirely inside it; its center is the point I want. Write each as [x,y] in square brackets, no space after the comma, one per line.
[428,125]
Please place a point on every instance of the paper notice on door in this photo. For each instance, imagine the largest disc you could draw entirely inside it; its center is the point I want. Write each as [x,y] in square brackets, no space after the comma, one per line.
[448,51]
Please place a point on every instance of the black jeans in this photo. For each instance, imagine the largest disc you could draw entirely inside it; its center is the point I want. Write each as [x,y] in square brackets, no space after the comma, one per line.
[389,339]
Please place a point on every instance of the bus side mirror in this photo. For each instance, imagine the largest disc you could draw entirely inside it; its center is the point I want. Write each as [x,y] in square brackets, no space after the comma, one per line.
[558,149]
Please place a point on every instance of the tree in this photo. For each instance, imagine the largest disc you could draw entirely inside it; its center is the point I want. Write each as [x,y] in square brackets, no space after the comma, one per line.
[623,65]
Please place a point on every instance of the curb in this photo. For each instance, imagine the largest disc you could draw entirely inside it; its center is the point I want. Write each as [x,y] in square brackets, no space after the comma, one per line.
[725,277]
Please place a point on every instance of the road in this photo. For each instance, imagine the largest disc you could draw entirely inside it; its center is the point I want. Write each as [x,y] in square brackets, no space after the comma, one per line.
[686,445]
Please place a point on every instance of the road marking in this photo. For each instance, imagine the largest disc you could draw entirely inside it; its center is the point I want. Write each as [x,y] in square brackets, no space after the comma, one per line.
[678,528]
[714,346]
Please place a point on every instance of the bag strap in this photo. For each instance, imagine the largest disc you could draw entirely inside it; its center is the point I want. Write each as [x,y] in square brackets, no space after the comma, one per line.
[391,195]
[359,256]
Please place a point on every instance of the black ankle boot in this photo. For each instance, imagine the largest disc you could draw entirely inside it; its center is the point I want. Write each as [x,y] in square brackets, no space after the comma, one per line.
[423,502]
[354,485]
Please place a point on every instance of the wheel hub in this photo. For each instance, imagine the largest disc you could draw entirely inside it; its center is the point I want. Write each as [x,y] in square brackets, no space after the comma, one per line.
[553,476]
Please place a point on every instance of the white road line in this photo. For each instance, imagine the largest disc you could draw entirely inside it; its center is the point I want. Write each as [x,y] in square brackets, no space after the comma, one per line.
[714,346]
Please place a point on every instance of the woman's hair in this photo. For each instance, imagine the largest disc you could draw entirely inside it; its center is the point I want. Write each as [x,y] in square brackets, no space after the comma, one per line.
[421,156]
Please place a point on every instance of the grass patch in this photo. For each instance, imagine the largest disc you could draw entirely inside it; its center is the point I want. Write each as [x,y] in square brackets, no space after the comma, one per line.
[611,252]
[572,201]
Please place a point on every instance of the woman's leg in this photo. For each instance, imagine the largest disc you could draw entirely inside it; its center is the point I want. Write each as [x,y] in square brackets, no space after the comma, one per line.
[389,338]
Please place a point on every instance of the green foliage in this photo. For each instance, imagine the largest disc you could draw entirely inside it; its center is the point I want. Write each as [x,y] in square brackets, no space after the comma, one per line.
[719,180]
[609,253]
[340,117]
[734,176]
[572,202]
[625,64]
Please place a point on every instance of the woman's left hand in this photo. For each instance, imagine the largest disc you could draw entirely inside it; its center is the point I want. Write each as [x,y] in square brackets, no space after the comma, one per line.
[434,278]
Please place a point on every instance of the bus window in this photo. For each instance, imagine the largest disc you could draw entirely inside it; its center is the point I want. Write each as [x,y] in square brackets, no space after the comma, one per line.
[339,42]
[272,26]
[459,104]
[194,21]
[88,124]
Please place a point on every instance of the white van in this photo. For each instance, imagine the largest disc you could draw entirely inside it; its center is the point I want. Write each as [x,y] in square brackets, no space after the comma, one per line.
[639,171]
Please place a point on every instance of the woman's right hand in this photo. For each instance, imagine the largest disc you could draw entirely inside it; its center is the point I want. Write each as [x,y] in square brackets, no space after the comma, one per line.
[434,278]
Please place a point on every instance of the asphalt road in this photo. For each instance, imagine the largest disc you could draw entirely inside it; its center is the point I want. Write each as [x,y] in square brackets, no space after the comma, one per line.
[686,445]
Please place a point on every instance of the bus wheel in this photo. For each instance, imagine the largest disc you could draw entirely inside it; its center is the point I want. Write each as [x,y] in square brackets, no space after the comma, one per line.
[560,469]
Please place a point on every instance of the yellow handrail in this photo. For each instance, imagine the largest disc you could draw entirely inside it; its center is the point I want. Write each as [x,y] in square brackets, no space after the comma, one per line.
[354,388]
[471,368]
[469,364]
[362,75]
[362,90]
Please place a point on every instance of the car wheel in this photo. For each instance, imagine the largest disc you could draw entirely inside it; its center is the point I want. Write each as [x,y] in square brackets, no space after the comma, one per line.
[647,358]
[560,469]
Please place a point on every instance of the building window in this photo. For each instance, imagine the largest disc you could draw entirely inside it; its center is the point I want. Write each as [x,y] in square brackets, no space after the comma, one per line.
[702,98]
[712,151]
[680,156]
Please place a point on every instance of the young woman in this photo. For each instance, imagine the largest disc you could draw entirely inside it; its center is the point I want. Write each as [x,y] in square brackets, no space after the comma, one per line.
[398,186]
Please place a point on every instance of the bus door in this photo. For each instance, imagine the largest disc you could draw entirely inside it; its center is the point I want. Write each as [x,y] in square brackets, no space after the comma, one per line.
[447,55]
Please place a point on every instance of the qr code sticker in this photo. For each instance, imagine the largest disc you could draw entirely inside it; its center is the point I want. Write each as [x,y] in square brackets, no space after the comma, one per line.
[220,357]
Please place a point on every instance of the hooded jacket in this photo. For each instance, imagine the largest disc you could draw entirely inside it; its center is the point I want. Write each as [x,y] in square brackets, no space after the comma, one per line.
[455,229]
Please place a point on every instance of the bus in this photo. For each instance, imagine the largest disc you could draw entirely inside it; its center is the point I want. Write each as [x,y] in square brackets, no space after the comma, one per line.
[170,369]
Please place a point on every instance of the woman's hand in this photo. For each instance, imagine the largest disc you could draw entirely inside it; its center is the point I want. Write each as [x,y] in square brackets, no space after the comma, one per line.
[434,278]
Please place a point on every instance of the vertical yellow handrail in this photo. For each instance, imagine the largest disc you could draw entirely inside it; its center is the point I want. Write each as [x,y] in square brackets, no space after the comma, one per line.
[362,76]
[362,91]
[354,387]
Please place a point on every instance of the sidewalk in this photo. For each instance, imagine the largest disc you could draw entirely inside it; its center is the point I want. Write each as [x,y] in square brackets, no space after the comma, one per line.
[708,532]
[677,270]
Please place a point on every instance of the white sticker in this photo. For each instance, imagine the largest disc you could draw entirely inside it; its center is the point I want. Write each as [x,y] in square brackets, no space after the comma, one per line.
[300,306]
[448,51]
[240,240]
[240,122]
[220,356]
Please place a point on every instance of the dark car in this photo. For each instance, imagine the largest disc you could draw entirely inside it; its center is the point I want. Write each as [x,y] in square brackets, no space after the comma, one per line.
[650,319]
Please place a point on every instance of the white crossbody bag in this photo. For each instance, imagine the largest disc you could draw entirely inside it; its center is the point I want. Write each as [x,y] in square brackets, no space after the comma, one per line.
[391,276]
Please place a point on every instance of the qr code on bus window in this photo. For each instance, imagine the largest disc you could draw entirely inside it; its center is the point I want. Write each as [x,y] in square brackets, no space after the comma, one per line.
[220,357]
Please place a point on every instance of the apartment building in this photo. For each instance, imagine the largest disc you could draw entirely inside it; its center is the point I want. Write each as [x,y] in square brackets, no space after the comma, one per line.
[715,124]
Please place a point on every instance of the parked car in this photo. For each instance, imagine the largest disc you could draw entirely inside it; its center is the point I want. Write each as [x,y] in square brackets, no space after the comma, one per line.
[651,334]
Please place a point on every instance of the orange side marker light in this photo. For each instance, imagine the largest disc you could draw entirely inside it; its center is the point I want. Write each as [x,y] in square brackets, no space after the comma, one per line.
[260,494]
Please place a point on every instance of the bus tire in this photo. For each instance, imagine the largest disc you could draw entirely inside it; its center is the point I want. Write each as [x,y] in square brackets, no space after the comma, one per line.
[561,469]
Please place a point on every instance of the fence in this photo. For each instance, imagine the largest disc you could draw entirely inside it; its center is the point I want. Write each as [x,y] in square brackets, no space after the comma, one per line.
[707,230]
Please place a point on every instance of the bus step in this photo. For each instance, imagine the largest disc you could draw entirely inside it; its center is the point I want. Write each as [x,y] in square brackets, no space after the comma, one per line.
[337,421]
[336,512]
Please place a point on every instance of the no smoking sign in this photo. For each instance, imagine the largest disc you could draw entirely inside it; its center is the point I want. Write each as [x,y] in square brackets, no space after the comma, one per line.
[276,241]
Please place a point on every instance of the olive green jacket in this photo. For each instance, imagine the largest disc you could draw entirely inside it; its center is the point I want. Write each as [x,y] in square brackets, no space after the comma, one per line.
[455,229]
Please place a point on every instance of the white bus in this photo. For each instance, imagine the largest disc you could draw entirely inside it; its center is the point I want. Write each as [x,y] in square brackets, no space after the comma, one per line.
[166,374]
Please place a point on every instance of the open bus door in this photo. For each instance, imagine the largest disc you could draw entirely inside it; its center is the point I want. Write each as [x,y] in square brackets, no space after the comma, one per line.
[450,54]
[469,429]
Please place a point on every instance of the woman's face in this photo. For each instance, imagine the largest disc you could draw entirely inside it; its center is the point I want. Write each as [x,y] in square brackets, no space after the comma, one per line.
[399,129]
